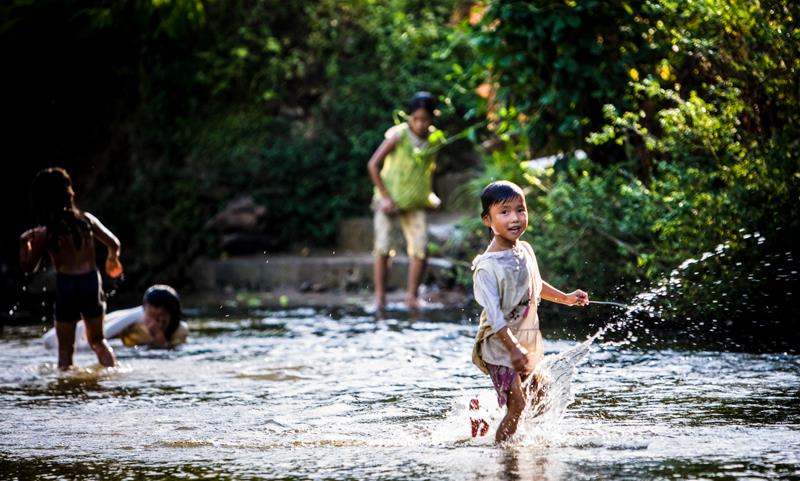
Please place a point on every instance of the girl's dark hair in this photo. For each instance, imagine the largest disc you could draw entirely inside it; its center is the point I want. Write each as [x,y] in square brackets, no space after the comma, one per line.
[54,207]
[422,100]
[165,297]
[497,192]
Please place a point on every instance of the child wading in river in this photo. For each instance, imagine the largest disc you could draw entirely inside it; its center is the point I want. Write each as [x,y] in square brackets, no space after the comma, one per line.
[402,171]
[67,234]
[508,286]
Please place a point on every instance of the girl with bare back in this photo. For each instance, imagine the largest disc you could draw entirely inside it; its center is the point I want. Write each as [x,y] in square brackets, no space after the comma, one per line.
[68,236]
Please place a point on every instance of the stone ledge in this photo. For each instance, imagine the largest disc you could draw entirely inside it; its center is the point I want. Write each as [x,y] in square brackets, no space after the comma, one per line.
[232,301]
[346,272]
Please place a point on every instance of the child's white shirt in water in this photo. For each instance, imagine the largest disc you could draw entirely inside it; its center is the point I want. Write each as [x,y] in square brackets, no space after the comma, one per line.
[114,323]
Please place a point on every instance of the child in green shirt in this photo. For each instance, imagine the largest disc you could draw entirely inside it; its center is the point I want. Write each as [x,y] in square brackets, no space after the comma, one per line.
[402,171]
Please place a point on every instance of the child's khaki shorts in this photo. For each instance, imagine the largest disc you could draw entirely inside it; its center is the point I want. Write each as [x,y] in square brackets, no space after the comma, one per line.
[415,230]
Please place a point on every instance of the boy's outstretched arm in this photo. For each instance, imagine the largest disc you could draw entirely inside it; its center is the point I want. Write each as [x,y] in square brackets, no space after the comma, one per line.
[374,167]
[101,233]
[574,298]
[31,248]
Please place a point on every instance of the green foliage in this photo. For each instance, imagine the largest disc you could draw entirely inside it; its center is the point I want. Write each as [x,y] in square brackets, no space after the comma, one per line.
[689,113]
[325,90]
[551,66]
[206,101]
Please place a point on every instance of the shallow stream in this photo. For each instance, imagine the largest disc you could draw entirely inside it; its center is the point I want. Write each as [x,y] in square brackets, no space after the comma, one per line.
[313,394]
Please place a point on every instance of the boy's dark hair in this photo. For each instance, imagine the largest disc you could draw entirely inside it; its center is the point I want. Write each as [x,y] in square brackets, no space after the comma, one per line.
[54,207]
[497,192]
[422,100]
[165,297]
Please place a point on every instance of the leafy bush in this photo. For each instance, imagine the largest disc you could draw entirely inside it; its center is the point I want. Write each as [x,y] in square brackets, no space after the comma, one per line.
[688,112]
[203,101]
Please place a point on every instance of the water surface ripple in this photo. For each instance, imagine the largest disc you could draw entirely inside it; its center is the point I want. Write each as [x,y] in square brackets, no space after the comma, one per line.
[299,394]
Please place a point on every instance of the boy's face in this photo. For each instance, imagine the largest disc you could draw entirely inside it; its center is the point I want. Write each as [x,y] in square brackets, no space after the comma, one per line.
[420,121]
[508,219]
[156,318]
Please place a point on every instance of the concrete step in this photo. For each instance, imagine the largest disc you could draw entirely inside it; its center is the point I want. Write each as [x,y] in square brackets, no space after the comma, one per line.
[344,272]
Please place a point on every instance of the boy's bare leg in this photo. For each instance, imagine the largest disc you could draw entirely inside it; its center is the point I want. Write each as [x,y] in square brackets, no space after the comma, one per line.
[65,333]
[515,404]
[97,341]
[416,268]
[381,262]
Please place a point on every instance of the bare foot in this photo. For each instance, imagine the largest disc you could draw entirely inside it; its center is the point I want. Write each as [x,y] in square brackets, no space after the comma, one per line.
[413,303]
[378,308]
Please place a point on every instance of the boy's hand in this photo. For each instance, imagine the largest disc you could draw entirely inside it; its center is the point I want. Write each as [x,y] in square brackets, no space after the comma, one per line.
[31,247]
[578,298]
[434,202]
[519,358]
[113,267]
[387,205]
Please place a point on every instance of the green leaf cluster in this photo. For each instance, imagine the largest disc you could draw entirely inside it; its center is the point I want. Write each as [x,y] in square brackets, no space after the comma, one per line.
[199,102]
[689,114]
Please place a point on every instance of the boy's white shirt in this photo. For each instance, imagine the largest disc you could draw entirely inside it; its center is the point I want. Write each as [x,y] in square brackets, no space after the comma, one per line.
[501,283]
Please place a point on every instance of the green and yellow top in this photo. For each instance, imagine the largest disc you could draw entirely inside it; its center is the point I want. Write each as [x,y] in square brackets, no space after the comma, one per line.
[408,169]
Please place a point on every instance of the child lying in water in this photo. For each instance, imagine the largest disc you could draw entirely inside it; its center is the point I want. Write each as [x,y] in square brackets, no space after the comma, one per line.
[156,323]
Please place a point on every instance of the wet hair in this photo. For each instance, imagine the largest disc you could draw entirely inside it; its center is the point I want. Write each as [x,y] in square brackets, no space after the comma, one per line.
[165,297]
[498,192]
[54,207]
[422,100]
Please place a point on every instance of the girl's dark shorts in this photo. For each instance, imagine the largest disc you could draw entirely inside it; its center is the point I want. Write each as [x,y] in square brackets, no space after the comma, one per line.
[79,294]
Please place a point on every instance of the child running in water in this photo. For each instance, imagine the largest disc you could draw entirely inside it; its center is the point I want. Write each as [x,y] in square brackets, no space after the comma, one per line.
[508,286]
[402,171]
[67,234]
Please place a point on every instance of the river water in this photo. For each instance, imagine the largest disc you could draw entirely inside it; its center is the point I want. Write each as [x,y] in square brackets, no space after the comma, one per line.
[315,394]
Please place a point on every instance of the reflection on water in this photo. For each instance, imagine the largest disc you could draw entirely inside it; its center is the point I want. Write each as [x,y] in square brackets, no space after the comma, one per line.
[300,394]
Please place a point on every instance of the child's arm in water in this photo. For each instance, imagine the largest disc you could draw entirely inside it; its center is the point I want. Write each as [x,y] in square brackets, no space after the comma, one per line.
[374,166]
[158,339]
[101,232]
[32,248]
[574,298]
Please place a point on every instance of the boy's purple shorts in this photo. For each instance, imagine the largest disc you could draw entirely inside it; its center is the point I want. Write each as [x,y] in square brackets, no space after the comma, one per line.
[502,378]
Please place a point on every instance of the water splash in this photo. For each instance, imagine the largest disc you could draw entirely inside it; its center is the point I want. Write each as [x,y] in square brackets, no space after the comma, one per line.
[551,392]
[550,399]
[635,411]
[746,257]
[540,425]
[457,426]
[734,295]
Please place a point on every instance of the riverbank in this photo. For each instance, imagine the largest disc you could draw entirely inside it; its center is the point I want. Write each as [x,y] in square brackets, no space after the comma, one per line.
[292,297]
